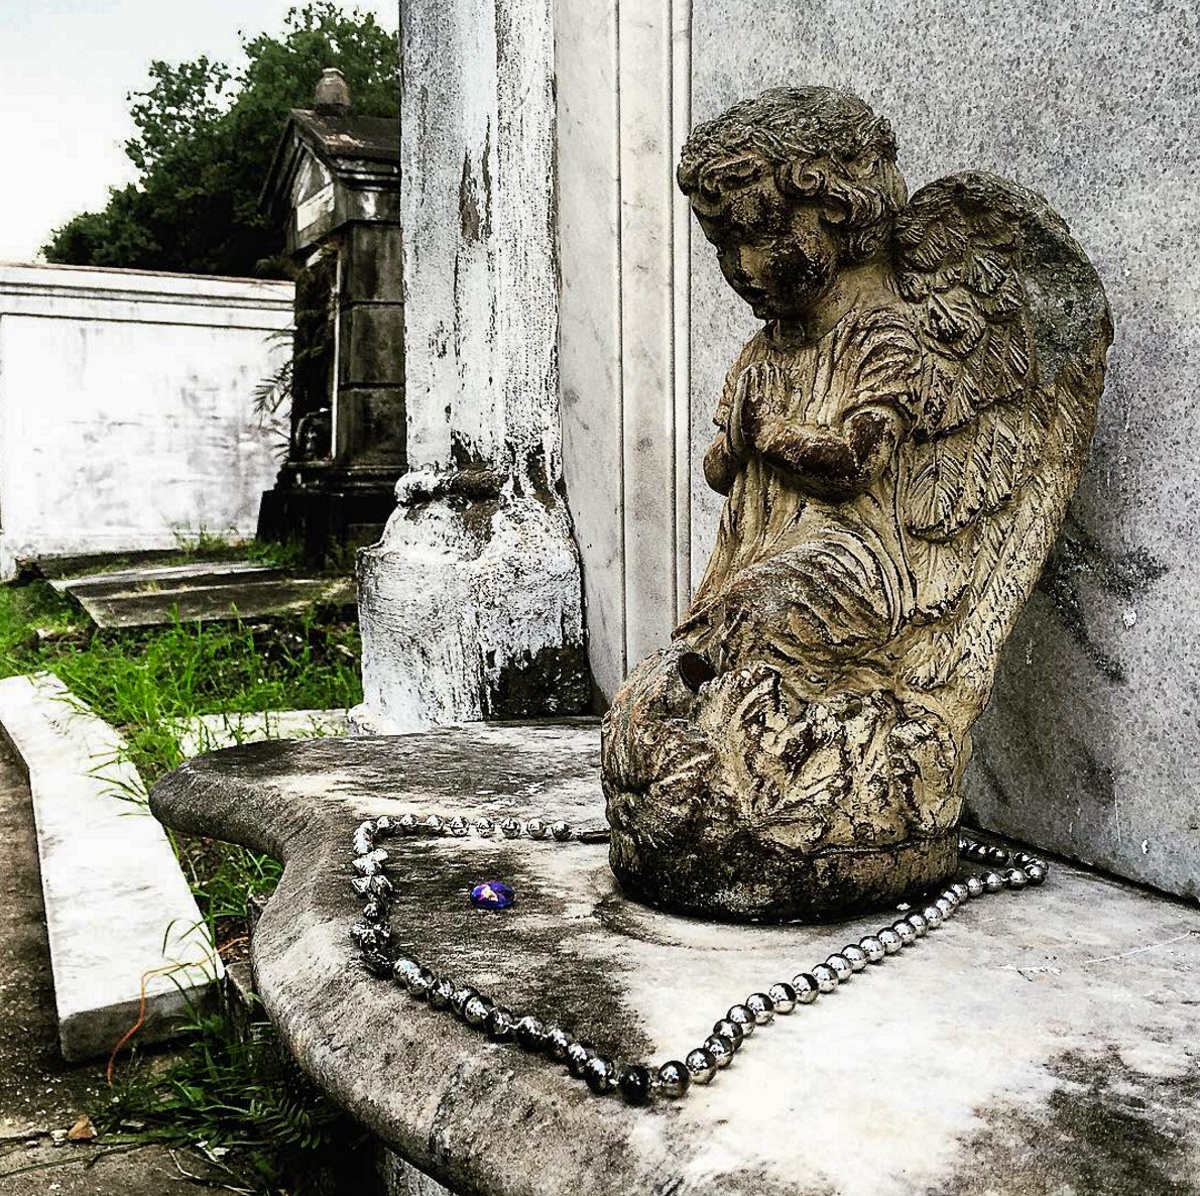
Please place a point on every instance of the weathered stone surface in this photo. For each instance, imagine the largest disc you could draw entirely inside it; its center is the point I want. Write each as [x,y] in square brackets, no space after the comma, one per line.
[372,427]
[127,416]
[153,597]
[1039,1043]
[470,608]
[152,576]
[471,588]
[40,1093]
[120,918]
[1089,747]
[371,347]
[373,270]
[208,732]
[897,446]
[401,1178]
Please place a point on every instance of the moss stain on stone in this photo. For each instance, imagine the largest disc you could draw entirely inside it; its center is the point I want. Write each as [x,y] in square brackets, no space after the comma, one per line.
[1106,1130]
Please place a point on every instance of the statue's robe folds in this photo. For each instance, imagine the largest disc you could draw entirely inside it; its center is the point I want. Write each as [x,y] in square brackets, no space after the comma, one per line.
[797,579]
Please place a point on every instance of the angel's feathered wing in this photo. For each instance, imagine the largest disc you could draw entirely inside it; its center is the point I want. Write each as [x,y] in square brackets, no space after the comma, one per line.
[1015,327]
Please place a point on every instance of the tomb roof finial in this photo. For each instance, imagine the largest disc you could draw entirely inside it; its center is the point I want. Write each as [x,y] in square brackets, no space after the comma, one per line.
[332,93]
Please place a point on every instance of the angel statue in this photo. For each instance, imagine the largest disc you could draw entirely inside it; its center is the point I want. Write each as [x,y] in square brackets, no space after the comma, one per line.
[897,445]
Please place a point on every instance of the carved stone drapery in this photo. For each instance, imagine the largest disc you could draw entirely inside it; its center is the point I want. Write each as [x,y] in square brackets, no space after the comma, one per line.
[897,447]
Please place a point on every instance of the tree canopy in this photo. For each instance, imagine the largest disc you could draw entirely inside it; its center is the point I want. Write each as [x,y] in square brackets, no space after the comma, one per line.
[205,138]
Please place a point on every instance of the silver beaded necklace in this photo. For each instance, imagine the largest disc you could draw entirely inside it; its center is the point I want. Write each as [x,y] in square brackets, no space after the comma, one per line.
[638,1083]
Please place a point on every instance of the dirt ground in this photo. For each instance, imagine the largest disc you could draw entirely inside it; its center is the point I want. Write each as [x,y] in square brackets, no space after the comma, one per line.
[39,1092]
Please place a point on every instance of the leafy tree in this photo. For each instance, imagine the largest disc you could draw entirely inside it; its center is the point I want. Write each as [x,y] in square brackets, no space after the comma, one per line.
[205,138]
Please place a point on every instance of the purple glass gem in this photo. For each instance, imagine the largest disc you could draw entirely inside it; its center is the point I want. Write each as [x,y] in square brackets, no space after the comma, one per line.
[492,894]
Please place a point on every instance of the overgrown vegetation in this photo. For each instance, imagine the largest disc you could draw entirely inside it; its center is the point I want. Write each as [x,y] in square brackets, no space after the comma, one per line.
[145,682]
[237,1096]
[232,1091]
[206,135]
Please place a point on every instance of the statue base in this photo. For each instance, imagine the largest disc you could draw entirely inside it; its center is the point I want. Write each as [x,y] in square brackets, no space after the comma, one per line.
[732,797]
[747,880]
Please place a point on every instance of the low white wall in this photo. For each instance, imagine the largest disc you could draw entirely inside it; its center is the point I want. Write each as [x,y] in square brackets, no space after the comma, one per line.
[127,413]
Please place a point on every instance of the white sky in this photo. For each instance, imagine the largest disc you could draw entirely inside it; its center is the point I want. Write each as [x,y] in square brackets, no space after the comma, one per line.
[66,67]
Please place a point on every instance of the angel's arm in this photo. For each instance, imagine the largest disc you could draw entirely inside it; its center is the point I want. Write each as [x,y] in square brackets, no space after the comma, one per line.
[720,464]
[723,458]
[832,463]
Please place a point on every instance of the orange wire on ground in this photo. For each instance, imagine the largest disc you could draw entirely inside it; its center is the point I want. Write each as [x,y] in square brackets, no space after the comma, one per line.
[141,1018]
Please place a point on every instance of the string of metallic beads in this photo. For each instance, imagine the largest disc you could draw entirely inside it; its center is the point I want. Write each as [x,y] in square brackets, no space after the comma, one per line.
[638,1083]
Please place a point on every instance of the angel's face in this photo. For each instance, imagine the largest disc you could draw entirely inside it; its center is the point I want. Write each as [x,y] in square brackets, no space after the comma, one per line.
[779,254]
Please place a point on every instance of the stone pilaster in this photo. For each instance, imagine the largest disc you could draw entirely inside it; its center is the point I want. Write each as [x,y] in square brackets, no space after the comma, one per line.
[470,604]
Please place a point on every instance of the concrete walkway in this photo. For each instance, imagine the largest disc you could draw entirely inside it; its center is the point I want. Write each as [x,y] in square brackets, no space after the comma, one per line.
[39,1093]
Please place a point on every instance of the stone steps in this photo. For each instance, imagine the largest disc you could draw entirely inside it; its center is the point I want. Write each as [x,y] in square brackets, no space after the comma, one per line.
[162,577]
[118,909]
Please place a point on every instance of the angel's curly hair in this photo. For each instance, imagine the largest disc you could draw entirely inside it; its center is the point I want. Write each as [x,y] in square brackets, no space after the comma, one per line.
[819,144]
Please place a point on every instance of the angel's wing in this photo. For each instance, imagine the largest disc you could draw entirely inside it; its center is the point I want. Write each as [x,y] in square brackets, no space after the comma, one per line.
[1015,327]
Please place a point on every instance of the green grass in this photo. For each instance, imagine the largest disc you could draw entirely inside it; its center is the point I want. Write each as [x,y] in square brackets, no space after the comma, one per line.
[230,1088]
[24,610]
[143,681]
[237,1095]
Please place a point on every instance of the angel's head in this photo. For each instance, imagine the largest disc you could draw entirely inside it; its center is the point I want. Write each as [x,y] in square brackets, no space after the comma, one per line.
[789,187]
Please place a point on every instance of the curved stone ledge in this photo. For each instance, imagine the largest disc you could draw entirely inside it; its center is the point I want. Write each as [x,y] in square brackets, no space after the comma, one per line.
[1032,1045]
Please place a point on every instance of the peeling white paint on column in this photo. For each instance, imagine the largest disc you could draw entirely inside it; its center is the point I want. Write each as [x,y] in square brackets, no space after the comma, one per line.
[459,588]
[481,314]
[451,606]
